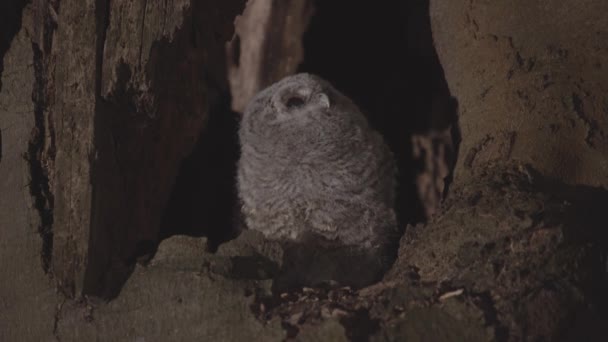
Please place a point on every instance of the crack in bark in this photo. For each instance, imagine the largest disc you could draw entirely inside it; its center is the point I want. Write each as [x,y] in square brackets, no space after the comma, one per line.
[56,319]
[592,126]
[39,157]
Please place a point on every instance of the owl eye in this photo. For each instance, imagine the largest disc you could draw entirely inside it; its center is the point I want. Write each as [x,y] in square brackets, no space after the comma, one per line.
[294,102]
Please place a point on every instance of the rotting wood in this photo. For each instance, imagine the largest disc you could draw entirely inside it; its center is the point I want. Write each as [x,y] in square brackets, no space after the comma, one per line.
[72,112]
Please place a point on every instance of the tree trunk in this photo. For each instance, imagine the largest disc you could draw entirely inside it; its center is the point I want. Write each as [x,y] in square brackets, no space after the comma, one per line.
[530,85]
[522,231]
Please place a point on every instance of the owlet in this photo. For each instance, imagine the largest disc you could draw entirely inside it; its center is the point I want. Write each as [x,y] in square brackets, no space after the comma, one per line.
[311,165]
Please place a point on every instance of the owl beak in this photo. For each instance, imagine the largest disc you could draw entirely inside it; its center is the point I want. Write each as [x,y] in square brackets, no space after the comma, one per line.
[323,100]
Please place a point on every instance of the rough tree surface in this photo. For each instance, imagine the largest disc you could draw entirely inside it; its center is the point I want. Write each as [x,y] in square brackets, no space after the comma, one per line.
[267,46]
[101,101]
[27,295]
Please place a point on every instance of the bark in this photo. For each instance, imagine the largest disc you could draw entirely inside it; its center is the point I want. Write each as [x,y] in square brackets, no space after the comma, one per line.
[71,124]
[130,105]
[27,294]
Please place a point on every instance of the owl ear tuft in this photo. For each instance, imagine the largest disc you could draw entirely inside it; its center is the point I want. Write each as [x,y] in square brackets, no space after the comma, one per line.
[323,100]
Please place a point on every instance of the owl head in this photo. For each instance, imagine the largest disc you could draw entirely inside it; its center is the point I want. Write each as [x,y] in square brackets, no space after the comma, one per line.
[302,106]
[301,99]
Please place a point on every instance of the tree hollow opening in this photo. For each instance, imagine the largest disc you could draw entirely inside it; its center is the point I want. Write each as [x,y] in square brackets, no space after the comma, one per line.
[380,56]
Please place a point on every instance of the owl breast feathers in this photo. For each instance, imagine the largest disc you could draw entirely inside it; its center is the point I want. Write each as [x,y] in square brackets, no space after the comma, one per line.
[311,164]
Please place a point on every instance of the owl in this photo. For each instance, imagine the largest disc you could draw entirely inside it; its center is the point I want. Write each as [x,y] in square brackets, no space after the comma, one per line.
[311,165]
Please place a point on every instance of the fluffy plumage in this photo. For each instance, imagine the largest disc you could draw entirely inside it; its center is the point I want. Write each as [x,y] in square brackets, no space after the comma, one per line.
[311,165]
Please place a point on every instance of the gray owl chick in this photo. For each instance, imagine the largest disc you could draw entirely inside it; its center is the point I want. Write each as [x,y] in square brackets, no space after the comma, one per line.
[311,164]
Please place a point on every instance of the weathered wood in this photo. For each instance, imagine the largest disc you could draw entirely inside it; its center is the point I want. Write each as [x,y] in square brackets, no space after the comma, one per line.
[266,47]
[159,78]
[27,295]
[530,88]
[73,113]
[123,111]
[141,133]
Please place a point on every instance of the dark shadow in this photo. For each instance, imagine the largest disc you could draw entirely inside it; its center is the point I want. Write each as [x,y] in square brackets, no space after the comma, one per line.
[383,57]
[581,210]
[315,261]
[204,198]
[141,138]
[10,23]
[203,201]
